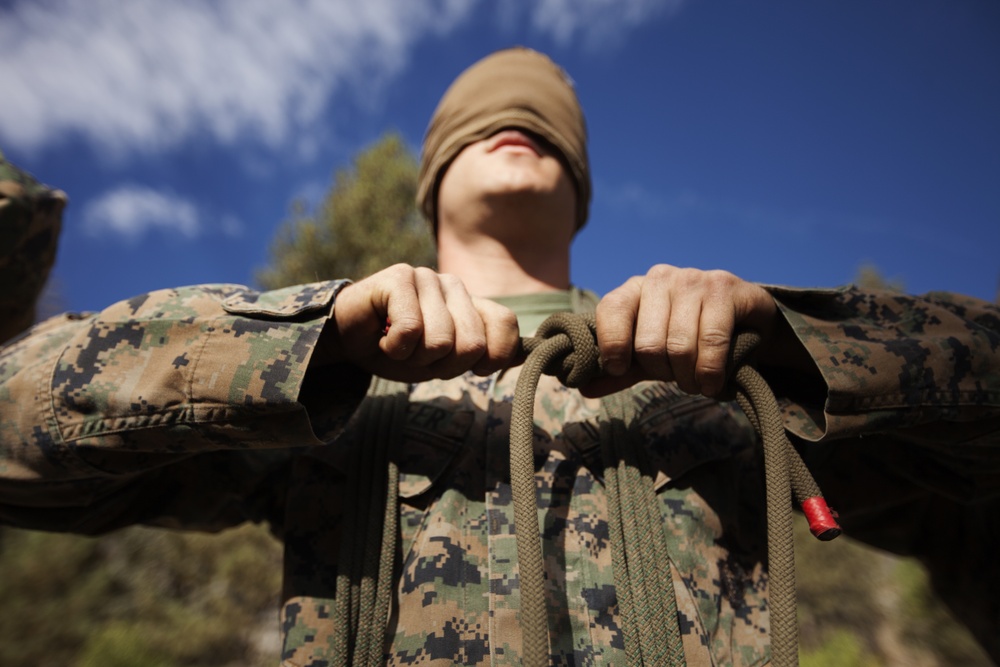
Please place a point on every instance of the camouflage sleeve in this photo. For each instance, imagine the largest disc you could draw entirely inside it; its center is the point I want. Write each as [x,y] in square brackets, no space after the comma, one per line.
[91,403]
[892,361]
[911,392]
[30,219]
[904,439]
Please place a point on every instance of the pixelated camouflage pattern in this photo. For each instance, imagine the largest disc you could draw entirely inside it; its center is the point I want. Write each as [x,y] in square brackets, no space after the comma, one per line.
[904,438]
[882,355]
[103,404]
[30,220]
[458,595]
[900,424]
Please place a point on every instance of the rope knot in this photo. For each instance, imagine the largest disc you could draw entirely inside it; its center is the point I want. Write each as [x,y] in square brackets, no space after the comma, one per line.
[567,344]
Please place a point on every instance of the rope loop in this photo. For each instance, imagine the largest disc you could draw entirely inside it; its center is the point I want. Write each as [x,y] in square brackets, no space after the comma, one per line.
[566,347]
[575,359]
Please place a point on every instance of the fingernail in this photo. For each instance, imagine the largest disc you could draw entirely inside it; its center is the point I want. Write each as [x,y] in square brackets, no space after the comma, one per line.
[614,367]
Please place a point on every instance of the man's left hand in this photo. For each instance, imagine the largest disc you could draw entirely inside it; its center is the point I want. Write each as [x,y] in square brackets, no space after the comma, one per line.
[677,324]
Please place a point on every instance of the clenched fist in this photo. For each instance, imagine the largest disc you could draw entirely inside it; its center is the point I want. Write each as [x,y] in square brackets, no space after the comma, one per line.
[677,324]
[435,329]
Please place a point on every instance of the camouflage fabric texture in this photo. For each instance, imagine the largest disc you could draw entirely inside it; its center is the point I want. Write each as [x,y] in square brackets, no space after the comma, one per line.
[30,220]
[199,408]
[140,398]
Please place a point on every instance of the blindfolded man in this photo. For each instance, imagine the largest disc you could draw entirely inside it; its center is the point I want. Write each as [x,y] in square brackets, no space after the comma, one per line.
[245,407]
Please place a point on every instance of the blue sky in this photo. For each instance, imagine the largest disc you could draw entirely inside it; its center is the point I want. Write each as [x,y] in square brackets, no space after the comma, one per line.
[788,142]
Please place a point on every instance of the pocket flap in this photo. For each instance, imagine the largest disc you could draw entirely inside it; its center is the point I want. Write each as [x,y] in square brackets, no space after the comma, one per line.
[285,302]
[432,439]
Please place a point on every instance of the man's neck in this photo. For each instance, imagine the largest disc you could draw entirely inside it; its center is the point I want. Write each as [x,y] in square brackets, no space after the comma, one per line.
[491,268]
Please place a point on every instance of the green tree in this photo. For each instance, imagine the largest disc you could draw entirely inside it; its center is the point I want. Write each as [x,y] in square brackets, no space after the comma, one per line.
[139,597]
[869,276]
[367,221]
[863,606]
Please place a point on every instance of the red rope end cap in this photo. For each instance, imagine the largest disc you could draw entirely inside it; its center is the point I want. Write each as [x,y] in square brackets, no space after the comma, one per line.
[822,520]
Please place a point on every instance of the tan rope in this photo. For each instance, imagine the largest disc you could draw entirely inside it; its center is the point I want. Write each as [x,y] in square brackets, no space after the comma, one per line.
[565,347]
[369,537]
[641,565]
[549,351]
[784,473]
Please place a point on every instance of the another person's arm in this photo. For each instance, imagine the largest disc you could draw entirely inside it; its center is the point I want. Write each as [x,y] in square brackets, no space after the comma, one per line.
[30,220]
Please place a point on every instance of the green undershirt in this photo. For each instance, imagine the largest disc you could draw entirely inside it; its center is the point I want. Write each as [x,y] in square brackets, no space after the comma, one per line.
[533,309]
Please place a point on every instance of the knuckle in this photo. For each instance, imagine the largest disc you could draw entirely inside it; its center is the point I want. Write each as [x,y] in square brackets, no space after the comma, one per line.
[407,327]
[400,270]
[449,278]
[690,277]
[710,366]
[615,345]
[708,381]
[438,344]
[624,292]
[661,271]
[613,301]
[715,339]
[721,282]
[499,319]
[634,281]
[649,347]
[471,347]
[507,319]
[720,275]
[680,347]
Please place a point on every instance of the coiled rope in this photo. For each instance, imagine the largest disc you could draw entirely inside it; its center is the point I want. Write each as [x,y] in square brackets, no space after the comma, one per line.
[565,347]
[370,530]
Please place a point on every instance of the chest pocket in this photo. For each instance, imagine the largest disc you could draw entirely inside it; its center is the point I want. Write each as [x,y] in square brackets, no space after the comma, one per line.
[433,436]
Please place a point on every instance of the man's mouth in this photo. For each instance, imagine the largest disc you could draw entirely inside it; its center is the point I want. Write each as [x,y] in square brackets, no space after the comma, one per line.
[514,139]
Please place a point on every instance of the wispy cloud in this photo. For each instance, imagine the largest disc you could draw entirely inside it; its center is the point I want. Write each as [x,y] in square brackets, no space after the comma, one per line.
[131,211]
[635,202]
[144,75]
[596,22]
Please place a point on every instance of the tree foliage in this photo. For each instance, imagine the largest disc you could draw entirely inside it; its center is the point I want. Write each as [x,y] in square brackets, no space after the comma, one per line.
[139,597]
[862,606]
[367,221]
[869,276]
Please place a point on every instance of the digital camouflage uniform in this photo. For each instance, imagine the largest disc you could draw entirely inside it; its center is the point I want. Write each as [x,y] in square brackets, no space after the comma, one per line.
[30,219]
[194,408]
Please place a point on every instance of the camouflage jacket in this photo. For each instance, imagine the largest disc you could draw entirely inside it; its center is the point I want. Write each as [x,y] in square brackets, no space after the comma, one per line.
[198,408]
[30,220]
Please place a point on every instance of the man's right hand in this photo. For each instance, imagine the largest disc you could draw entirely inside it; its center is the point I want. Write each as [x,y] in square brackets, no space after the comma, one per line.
[436,330]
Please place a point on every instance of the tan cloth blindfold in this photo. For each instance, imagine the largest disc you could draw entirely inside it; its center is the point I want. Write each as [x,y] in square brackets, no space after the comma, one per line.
[517,88]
